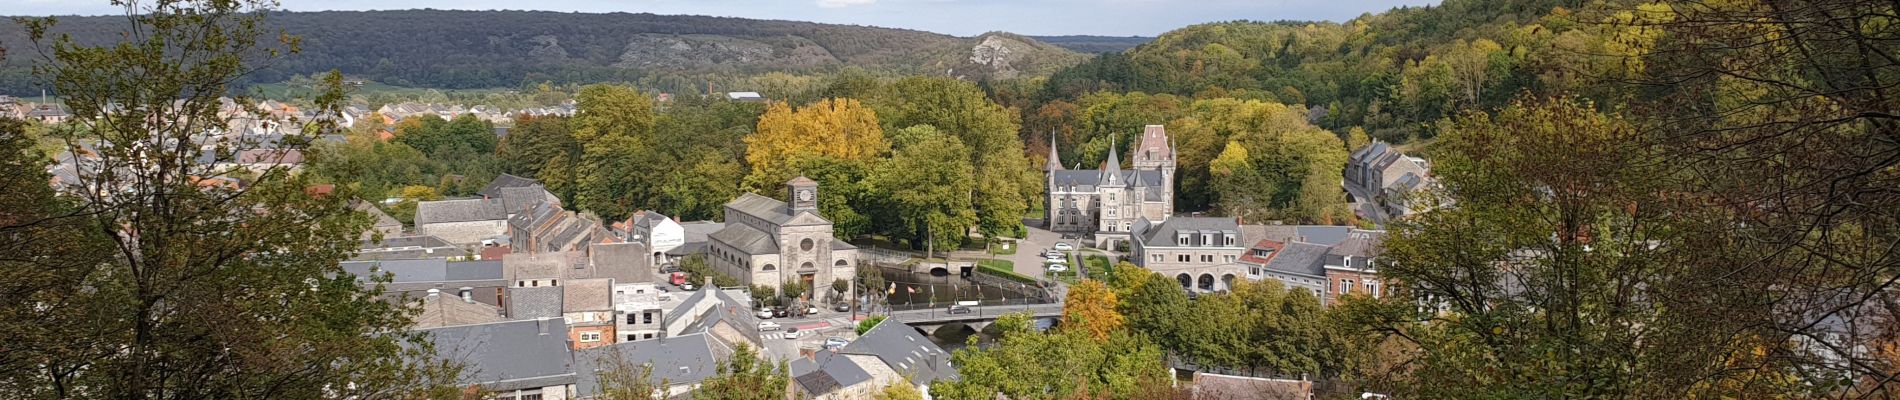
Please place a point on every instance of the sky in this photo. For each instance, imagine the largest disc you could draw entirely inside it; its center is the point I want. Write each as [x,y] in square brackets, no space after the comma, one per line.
[956,17]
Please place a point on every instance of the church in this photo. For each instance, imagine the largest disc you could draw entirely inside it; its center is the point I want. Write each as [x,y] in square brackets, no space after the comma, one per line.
[773,243]
[1106,202]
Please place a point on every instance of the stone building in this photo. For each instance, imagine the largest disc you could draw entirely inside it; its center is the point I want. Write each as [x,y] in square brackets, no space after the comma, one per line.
[772,243]
[1107,201]
[1201,252]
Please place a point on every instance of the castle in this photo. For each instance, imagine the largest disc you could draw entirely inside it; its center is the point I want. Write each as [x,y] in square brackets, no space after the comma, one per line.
[1106,202]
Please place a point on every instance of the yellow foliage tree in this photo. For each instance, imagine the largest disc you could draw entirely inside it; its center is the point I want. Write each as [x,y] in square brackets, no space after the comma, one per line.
[1090,308]
[840,129]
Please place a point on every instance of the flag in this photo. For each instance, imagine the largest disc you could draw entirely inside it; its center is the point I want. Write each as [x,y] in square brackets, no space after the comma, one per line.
[893,288]
[912,289]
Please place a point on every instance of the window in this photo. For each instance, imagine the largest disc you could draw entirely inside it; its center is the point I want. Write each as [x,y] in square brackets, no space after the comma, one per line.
[1372,288]
[1229,258]
[630,337]
[1207,240]
[629,322]
[590,336]
[1183,258]
[805,245]
[1207,258]
[536,396]
[1156,257]
[646,317]
[1180,240]
[1227,240]
[1262,252]
[649,336]
[770,267]
[1345,286]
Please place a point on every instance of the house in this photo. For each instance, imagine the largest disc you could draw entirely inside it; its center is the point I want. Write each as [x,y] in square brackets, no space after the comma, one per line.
[1383,180]
[588,307]
[774,243]
[681,362]
[1329,261]
[440,310]
[640,310]
[525,359]
[481,281]
[545,227]
[1107,201]
[1201,252]
[464,222]
[889,353]
[661,234]
[624,262]
[48,113]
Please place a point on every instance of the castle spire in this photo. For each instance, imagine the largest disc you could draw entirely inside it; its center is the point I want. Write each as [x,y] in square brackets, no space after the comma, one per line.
[1112,169]
[1055,163]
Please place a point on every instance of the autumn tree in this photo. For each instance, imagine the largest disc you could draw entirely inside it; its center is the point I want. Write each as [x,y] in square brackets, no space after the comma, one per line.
[1030,364]
[1090,308]
[198,290]
[840,129]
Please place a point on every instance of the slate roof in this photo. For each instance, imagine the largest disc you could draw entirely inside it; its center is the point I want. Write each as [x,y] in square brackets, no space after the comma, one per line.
[448,309]
[508,355]
[592,294]
[381,218]
[679,360]
[829,372]
[522,266]
[428,271]
[393,242]
[446,211]
[1086,179]
[1165,233]
[1300,258]
[746,239]
[521,198]
[761,207]
[534,302]
[493,190]
[651,219]
[1317,234]
[905,351]
[624,262]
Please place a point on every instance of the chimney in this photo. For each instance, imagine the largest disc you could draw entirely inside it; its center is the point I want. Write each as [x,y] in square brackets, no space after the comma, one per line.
[543,324]
[468,294]
[708,284]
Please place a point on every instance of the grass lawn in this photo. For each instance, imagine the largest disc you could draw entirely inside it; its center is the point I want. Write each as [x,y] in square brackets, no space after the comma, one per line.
[1097,264]
[1003,268]
[1004,248]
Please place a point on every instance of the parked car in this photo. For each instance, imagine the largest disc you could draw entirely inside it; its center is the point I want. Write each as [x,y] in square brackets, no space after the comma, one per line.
[780,312]
[959,309]
[765,326]
[763,314]
[841,307]
[835,342]
[1054,257]
[688,287]
[811,309]
[1058,267]
[793,333]
[1064,246]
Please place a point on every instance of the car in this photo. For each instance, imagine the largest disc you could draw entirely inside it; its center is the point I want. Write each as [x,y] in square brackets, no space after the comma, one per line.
[1064,246]
[688,286]
[768,326]
[811,309]
[793,333]
[780,312]
[1055,257]
[959,309]
[835,342]
[841,307]
[1058,267]
[763,314]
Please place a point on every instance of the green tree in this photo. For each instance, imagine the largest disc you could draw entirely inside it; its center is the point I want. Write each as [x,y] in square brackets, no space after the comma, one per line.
[622,379]
[1027,364]
[746,376]
[899,390]
[867,323]
[1005,186]
[929,185]
[200,291]
[614,127]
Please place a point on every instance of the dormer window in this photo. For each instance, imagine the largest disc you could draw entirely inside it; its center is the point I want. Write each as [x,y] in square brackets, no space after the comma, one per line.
[1207,239]
[1181,240]
[1227,240]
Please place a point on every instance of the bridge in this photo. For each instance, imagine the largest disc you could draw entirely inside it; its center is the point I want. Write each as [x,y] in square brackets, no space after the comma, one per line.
[977,318]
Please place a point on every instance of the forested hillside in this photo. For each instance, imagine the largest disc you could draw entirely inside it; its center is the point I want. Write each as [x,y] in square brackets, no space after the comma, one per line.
[1095,44]
[1392,73]
[481,49]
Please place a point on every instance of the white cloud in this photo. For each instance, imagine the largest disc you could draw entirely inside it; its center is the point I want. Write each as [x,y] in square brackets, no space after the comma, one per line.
[844,3]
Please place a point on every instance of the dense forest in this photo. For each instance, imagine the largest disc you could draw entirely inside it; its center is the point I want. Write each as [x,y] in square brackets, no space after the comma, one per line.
[485,49]
[1094,43]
